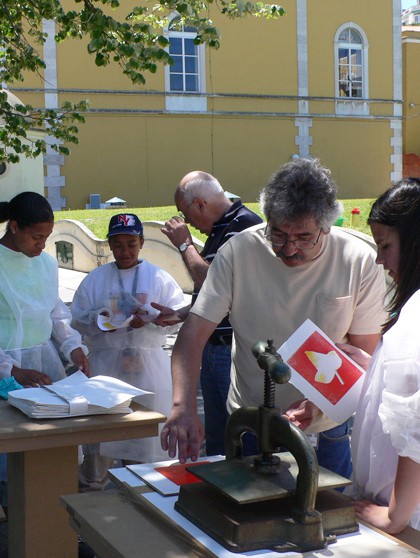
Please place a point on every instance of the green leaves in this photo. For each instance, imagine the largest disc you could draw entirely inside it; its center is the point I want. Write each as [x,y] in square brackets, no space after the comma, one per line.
[18,120]
[136,41]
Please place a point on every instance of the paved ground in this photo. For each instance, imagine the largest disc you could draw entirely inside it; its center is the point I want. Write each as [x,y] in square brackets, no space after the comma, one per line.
[69,280]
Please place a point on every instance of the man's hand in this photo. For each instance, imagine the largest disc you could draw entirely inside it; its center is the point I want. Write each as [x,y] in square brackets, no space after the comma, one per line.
[80,360]
[137,320]
[177,231]
[28,377]
[360,357]
[182,429]
[301,413]
[168,316]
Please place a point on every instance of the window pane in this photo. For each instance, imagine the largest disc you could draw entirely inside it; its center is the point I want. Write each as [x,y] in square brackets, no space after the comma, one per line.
[176,83]
[356,73]
[344,88]
[175,46]
[191,65]
[344,36]
[190,47]
[191,83]
[356,89]
[356,56]
[190,29]
[343,72]
[176,68]
[343,56]
[355,37]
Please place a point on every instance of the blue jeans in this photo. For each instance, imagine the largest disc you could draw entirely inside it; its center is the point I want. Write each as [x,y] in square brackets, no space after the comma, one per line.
[215,382]
[333,449]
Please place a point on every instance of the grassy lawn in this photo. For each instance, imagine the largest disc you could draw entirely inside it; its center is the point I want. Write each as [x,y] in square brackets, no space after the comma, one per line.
[97,219]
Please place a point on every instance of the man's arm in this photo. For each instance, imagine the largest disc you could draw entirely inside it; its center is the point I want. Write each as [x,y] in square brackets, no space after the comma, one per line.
[168,316]
[365,342]
[196,266]
[178,233]
[184,428]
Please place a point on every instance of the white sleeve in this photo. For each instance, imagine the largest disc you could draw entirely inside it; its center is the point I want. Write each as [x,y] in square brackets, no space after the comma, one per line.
[83,310]
[6,364]
[65,338]
[400,407]
[170,293]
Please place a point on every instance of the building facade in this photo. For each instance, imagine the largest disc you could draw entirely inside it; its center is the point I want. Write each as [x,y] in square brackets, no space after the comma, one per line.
[323,81]
[411,95]
[411,16]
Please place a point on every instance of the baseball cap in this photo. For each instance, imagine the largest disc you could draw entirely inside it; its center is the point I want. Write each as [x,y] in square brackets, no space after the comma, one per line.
[125,223]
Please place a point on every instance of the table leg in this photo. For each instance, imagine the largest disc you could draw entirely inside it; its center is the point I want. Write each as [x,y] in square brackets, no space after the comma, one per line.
[38,523]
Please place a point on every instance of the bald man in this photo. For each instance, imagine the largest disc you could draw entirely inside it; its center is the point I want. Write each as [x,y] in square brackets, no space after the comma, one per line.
[202,203]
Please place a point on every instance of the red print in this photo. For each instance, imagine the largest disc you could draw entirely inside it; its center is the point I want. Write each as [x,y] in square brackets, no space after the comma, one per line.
[126,219]
[330,379]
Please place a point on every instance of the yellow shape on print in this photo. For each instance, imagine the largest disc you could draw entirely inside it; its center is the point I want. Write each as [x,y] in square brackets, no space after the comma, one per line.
[326,365]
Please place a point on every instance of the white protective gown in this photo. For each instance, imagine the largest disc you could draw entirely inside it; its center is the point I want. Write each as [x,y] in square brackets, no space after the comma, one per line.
[134,355]
[387,423]
[34,322]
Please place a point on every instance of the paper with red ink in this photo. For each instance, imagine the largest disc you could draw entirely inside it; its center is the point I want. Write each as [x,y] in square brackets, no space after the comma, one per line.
[323,373]
[179,474]
[159,475]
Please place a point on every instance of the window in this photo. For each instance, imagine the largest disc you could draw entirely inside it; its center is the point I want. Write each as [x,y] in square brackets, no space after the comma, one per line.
[350,64]
[351,69]
[186,76]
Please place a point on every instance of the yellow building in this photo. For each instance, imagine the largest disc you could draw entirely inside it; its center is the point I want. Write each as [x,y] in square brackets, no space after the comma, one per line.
[324,81]
[411,95]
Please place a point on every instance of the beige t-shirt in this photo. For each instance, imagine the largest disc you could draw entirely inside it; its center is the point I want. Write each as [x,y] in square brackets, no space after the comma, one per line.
[341,291]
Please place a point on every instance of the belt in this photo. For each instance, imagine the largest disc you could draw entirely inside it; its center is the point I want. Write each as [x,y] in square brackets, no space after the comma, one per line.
[218,339]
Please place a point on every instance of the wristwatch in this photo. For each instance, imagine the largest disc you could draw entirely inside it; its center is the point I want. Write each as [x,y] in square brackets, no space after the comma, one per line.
[183,247]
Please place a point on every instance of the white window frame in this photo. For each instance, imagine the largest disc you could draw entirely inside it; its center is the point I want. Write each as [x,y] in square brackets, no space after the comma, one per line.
[352,105]
[186,101]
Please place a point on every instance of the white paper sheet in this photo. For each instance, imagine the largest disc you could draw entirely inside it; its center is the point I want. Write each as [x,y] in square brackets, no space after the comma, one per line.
[147,472]
[122,474]
[105,323]
[103,394]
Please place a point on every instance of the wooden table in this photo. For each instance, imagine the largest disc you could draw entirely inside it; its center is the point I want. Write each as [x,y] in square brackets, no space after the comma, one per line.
[43,466]
[115,527]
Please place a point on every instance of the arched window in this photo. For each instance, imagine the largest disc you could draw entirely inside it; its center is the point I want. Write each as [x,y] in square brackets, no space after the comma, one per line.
[351,61]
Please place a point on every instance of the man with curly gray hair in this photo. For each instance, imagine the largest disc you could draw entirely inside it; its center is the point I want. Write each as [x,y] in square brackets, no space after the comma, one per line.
[269,279]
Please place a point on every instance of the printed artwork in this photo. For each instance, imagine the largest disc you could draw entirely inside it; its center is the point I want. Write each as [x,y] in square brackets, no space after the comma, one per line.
[323,373]
[318,361]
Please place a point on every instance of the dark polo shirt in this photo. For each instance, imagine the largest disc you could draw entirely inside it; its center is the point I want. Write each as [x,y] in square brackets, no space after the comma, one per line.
[236,219]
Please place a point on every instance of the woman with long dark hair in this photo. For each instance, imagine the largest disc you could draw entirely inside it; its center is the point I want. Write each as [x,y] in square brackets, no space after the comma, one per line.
[386,434]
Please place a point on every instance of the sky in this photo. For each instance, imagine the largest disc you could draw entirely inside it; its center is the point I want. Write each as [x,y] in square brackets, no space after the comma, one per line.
[407,3]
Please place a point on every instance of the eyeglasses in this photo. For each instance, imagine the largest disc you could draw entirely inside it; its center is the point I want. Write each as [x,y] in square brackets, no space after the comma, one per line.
[279,240]
[182,214]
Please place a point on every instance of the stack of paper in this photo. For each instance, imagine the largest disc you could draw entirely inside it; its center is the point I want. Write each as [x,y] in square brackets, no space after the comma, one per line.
[76,395]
